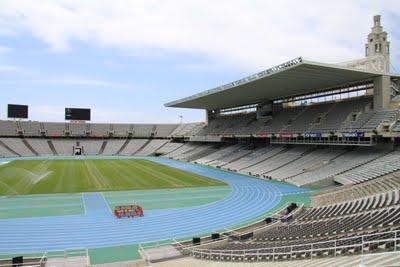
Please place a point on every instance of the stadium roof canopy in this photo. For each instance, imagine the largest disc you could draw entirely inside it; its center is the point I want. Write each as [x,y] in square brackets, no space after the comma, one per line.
[293,78]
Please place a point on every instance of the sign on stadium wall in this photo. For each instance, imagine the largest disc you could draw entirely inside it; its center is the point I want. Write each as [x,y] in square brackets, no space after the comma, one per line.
[261,134]
[353,134]
[285,135]
[312,135]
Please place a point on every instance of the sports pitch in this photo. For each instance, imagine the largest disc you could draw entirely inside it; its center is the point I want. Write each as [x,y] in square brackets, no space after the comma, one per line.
[88,175]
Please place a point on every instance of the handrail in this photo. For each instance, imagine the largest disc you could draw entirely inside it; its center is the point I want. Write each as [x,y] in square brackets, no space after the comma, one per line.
[382,237]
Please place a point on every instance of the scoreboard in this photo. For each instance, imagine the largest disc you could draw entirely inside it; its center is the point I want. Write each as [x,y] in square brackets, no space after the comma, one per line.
[17,111]
[77,114]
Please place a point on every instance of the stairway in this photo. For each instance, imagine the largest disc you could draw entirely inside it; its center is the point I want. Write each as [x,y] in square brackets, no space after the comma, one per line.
[142,147]
[123,146]
[52,148]
[30,147]
[103,146]
[9,148]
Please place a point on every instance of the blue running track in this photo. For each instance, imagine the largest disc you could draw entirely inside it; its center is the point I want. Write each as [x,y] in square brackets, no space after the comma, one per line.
[249,198]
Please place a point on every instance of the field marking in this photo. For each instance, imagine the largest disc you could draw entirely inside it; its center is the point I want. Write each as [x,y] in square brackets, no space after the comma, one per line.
[83,201]
[109,209]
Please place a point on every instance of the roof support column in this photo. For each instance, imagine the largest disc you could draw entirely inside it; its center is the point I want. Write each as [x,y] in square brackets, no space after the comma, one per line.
[381,92]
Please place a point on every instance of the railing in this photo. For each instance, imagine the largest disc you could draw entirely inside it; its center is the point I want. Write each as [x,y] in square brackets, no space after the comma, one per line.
[362,244]
[56,258]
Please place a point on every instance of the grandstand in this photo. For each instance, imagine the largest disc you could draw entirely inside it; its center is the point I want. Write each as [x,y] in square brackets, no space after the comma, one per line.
[295,127]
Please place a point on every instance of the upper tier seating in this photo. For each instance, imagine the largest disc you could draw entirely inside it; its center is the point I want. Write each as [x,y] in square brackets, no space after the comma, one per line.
[316,117]
[30,128]
[143,130]
[187,129]
[8,128]
[54,128]
[163,130]
[377,118]
[99,129]
[122,130]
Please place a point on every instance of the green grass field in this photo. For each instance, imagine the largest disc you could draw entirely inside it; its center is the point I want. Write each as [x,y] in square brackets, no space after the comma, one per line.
[72,176]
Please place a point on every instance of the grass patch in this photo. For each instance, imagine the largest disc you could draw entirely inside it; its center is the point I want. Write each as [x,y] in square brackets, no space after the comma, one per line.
[90,175]
[114,254]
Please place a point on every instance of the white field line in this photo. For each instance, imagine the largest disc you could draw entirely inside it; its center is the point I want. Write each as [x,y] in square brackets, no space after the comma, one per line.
[83,203]
[106,202]
[38,178]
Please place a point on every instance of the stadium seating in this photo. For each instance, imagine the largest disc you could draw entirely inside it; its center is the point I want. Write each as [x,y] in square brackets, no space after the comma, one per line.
[256,156]
[163,130]
[112,146]
[349,192]
[169,148]
[133,146]
[216,157]
[187,129]
[17,145]
[41,146]
[340,228]
[342,163]
[8,128]
[376,168]
[30,128]
[90,147]
[278,160]
[100,129]
[151,147]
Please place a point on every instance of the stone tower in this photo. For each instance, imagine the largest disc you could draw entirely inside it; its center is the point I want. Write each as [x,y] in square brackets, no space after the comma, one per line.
[378,46]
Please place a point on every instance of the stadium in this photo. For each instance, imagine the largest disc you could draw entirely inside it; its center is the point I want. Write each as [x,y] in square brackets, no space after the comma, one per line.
[297,165]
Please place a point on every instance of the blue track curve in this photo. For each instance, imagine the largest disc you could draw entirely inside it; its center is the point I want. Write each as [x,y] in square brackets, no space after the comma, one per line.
[249,198]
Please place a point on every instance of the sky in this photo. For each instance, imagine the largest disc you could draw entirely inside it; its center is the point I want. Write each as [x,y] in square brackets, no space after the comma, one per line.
[126,59]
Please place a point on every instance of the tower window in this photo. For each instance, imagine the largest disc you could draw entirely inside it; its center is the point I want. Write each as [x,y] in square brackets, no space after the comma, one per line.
[378,48]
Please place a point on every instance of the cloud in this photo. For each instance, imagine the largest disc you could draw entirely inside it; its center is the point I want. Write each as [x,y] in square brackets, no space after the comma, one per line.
[69,81]
[244,34]
[4,49]
[10,68]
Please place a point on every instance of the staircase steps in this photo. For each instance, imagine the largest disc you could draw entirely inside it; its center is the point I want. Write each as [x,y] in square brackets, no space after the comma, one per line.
[123,146]
[52,148]
[142,147]
[103,146]
[30,147]
[9,148]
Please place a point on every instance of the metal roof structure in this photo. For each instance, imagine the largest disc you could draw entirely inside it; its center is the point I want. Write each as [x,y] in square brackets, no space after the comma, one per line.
[293,78]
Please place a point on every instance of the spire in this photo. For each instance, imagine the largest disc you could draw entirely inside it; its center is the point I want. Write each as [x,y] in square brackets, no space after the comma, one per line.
[377,44]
